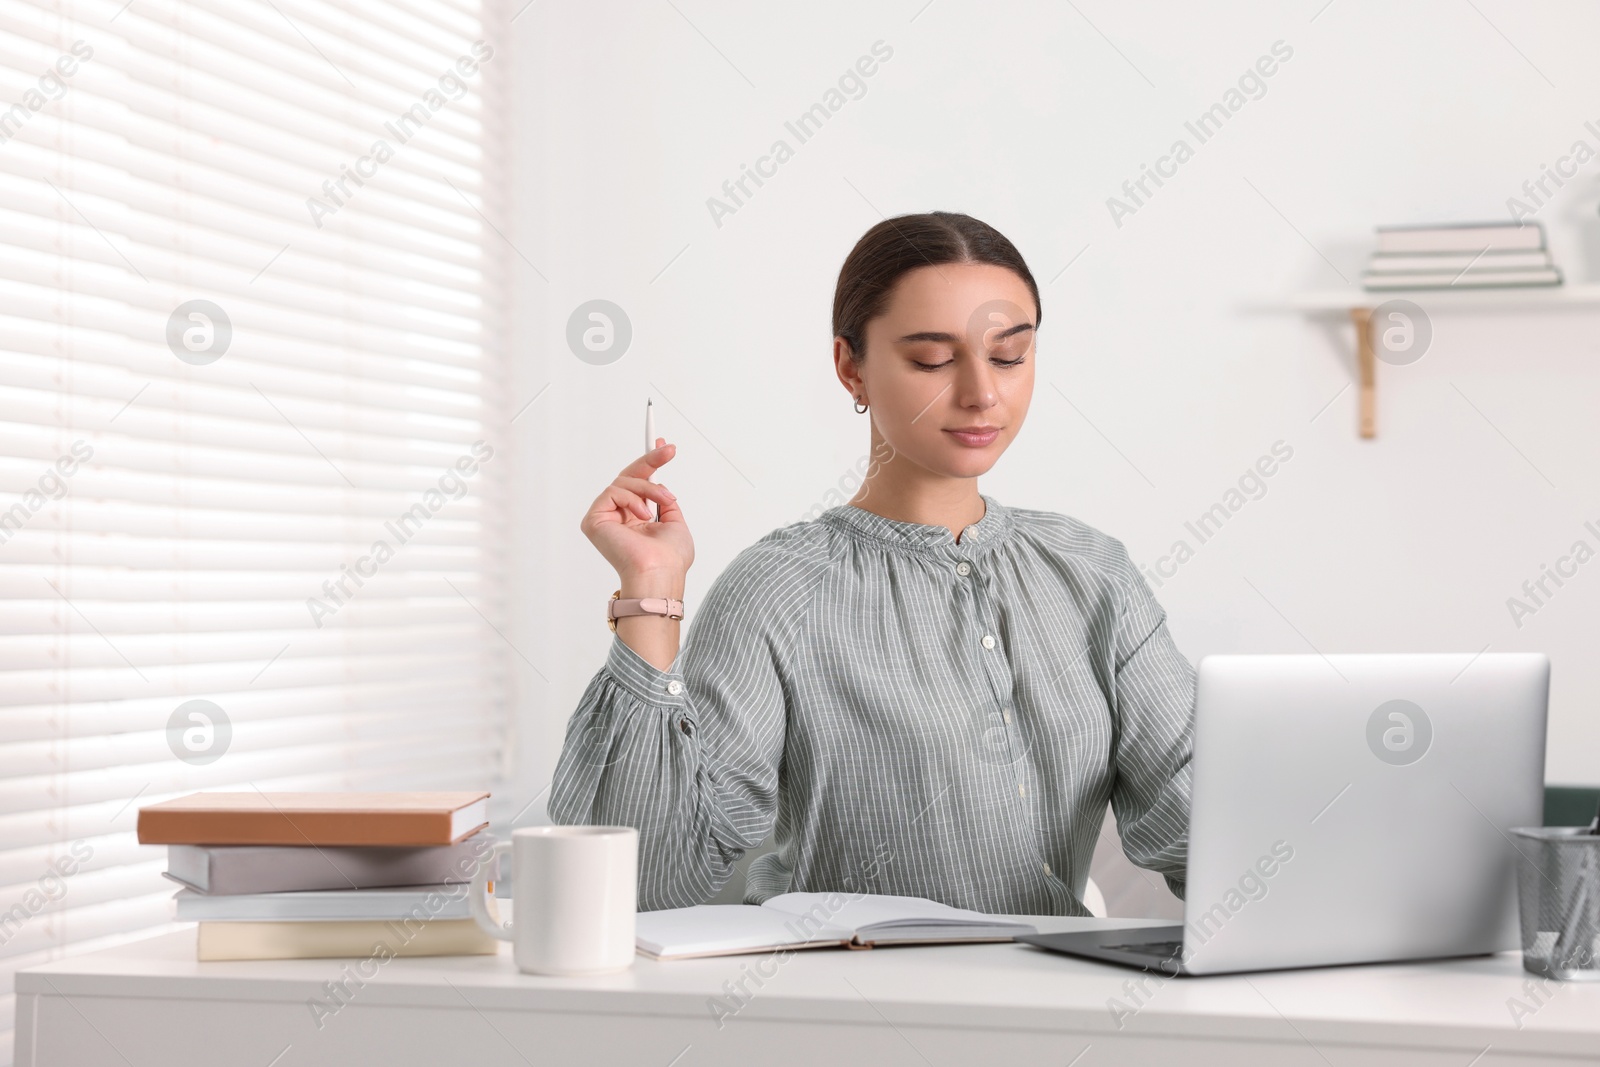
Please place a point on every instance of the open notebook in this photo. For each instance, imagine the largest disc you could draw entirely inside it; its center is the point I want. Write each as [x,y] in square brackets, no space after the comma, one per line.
[813,920]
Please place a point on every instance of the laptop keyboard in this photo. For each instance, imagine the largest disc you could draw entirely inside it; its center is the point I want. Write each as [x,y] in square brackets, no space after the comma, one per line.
[1161,949]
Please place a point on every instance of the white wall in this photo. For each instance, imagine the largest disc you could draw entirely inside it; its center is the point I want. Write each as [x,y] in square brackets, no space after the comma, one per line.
[1030,116]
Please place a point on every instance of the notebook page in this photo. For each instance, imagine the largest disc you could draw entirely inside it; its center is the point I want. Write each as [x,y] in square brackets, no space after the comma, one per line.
[870,910]
[713,928]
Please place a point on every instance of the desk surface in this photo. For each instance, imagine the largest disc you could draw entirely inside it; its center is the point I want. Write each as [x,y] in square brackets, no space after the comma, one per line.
[924,996]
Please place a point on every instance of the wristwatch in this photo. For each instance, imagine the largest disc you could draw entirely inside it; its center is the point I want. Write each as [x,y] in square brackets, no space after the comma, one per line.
[650,605]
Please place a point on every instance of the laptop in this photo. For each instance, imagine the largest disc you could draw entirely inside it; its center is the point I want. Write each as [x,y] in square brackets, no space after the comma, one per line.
[1349,809]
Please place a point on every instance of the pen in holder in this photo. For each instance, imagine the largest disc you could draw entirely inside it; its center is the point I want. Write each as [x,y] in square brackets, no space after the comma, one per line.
[1558,894]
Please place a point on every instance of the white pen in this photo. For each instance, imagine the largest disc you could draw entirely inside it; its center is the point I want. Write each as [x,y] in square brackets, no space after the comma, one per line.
[649,443]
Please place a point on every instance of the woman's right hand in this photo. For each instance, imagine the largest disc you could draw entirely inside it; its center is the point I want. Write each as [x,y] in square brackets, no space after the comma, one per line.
[618,523]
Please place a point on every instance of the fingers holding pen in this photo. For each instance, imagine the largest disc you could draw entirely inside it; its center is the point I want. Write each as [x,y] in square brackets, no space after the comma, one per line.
[619,522]
[637,491]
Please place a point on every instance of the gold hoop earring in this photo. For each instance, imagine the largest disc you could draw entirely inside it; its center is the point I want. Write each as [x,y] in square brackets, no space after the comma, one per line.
[861,409]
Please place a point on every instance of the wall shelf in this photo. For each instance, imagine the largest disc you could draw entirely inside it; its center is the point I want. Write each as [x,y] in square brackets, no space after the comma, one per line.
[1359,305]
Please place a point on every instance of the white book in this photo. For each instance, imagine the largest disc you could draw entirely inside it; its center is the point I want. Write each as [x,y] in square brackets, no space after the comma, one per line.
[326,905]
[1389,262]
[1455,279]
[1466,237]
[813,920]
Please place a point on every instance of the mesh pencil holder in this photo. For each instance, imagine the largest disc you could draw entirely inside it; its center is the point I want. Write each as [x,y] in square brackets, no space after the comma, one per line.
[1558,895]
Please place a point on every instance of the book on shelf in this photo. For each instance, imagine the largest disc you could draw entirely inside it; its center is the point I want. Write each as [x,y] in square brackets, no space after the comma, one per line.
[1392,262]
[1466,237]
[806,920]
[228,869]
[422,902]
[1457,279]
[357,939]
[319,819]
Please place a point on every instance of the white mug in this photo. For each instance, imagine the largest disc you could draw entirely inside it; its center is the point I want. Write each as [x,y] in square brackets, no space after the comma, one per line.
[574,896]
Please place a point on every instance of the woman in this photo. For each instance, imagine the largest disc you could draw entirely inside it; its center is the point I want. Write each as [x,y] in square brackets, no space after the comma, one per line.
[923,692]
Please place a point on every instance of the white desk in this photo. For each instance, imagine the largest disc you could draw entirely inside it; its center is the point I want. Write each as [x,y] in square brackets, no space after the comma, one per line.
[150,1004]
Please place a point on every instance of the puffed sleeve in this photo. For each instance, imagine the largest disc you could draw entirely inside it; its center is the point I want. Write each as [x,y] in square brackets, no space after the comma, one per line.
[688,755]
[1154,713]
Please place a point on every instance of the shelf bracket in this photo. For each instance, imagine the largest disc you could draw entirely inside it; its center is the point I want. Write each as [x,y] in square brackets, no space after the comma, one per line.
[1366,371]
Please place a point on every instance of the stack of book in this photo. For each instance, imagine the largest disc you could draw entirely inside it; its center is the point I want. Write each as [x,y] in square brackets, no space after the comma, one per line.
[1475,255]
[311,875]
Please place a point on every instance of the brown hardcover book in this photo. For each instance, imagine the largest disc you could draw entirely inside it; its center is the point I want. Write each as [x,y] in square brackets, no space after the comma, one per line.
[314,819]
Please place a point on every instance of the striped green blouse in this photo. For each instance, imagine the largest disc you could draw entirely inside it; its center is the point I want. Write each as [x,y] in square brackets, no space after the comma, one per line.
[905,712]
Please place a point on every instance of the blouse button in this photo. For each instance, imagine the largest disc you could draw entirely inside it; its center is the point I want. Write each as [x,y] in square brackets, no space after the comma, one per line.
[963,569]
[674,687]
[988,640]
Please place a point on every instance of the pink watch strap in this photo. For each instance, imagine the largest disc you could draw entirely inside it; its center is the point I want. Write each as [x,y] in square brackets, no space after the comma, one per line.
[651,605]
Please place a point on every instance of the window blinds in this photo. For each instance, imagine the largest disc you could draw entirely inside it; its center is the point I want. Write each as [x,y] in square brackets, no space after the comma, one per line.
[251,414]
